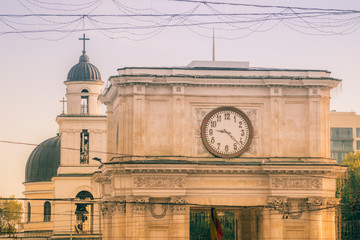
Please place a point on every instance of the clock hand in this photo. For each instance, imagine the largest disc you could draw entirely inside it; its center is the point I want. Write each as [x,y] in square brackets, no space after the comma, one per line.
[222,131]
[232,137]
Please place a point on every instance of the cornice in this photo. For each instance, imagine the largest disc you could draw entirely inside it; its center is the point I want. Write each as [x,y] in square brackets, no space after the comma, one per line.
[226,170]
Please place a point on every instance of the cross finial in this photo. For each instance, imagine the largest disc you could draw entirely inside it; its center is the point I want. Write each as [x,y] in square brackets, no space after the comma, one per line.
[63,101]
[84,39]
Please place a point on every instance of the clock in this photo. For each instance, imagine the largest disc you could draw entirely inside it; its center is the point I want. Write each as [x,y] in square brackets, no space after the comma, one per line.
[226,132]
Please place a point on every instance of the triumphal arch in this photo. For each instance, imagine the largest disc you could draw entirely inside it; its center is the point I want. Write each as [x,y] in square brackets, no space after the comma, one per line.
[251,142]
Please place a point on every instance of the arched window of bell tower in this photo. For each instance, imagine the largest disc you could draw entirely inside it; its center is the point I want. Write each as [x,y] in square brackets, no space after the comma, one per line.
[85,101]
[28,212]
[84,146]
[84,213]
[47,211]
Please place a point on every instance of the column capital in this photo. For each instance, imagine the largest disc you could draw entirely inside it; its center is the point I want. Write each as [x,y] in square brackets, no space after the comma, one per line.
[314,203]
[139,204]
[178,205]
[277,203]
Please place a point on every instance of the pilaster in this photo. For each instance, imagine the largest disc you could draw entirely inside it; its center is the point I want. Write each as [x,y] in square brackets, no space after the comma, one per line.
[315,220]
[276,114]
[278,207]
[180,227]
[177,118]
[138,119]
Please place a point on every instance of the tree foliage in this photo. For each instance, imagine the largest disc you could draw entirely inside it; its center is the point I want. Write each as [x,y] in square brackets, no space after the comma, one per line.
[349,188]
[10,216]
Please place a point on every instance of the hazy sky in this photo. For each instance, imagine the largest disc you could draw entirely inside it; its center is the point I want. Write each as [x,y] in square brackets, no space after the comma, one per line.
[32,72]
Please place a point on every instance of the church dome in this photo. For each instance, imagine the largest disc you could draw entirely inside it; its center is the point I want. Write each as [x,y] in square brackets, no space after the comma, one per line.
[84,71]
[44,161]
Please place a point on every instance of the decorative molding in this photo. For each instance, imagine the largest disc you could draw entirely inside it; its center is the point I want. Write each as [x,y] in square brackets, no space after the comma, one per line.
[277,203]
[295,183]
[154,208]
[178,205]
[105,209]
[253,147]
[295,212]
[139,205]
[116,205]
[253,116]
[223,171]
[159,182]
[315,202]
[332,201]
[119,208]
[199,146]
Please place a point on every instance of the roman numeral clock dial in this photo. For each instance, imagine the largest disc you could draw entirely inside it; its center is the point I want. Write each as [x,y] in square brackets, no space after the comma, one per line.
[226,132]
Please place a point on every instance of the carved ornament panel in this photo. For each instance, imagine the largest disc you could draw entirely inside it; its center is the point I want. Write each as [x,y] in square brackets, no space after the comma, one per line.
[295,183]
[159,182]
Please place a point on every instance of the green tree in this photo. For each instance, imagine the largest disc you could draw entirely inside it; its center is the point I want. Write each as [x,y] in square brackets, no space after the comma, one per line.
[10,216]
[348,189]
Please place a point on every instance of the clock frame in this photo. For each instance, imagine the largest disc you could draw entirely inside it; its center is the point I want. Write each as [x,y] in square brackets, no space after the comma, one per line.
[215,132]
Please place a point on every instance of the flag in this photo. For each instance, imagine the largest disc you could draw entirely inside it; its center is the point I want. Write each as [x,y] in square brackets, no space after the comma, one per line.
[215,226]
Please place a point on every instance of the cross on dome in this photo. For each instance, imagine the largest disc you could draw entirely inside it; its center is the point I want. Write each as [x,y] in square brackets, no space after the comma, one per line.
[84,39]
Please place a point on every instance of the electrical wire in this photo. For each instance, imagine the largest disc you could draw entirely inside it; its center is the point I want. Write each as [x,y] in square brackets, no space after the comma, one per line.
[140,24]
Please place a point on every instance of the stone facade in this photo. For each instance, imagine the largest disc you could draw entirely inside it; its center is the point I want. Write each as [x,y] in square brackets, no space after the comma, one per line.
[158,169]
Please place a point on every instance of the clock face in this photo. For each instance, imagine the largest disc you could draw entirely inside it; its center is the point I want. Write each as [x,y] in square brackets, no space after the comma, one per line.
[226,132]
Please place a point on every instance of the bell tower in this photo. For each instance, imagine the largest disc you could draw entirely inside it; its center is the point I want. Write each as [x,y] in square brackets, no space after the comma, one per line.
[82,127]
[83,87]
[83,130]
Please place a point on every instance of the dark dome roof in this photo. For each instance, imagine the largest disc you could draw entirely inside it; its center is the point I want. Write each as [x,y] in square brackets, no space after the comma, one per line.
[44,161]
[84,71]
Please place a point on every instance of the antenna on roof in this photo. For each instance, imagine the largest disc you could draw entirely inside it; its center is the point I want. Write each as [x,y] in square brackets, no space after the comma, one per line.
[213,55]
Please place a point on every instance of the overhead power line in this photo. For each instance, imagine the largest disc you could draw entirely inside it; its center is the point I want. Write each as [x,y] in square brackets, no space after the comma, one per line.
[265,6]
[230,19]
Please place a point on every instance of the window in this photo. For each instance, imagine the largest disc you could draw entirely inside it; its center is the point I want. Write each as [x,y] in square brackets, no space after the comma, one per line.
[338,156]
[84,213]
[28,212]
[84,104]
[358,132]
[341,133]
[357,145]
[47,212]
[84,147]
[342,146]
[84,91]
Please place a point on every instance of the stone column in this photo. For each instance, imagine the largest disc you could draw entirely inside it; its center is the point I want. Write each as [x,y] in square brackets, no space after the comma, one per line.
[238,226]
[137,228]
[180,223]
[106,223]
[265,224]
[254,224]
[118,221]
[315,219]
[277,207]
[329,220]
